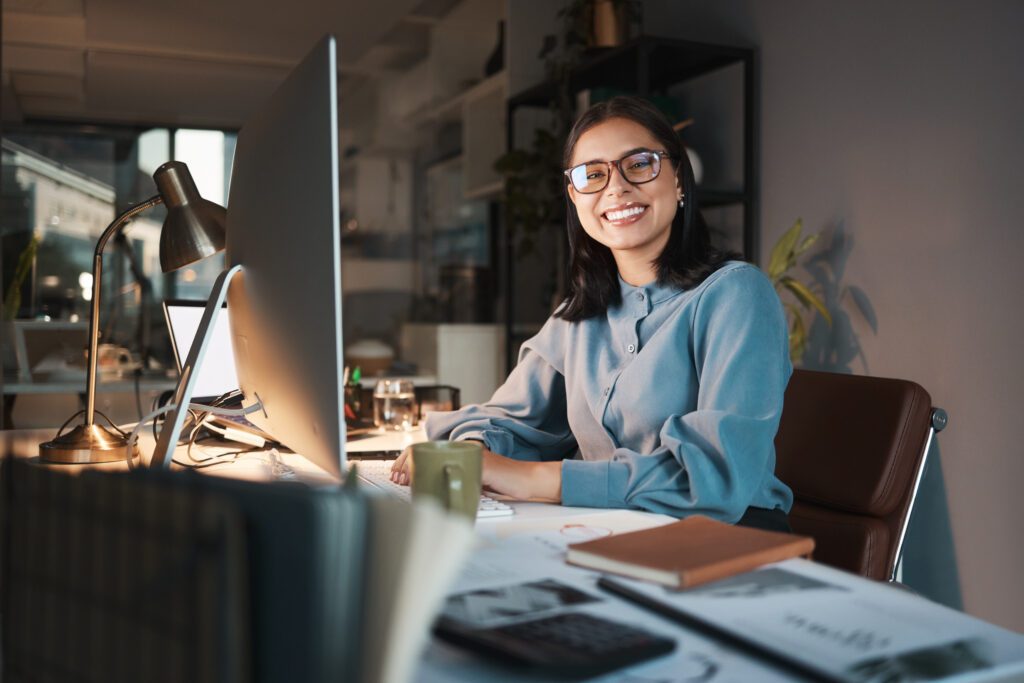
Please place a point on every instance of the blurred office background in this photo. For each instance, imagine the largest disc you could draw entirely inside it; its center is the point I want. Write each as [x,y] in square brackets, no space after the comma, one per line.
[889,128]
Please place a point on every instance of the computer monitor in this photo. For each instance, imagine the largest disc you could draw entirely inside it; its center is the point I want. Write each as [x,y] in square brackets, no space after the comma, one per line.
[283,230]
[283,281]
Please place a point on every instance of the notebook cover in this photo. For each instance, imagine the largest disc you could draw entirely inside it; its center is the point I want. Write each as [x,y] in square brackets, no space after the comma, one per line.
[689,552]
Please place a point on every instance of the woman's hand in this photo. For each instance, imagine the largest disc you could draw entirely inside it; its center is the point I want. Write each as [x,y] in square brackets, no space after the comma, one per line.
[514,478]
[400,468]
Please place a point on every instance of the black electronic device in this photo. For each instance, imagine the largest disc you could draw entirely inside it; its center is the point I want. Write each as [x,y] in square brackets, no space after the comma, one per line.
[572,644]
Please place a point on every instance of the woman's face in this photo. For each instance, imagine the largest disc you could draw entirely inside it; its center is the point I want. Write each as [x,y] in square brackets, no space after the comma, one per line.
[633,221]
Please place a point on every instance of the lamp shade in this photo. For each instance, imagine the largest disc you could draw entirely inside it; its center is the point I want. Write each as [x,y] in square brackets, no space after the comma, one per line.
[194,227]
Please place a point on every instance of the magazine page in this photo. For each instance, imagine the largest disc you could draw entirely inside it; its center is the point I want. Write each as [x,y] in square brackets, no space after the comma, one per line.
[845,627]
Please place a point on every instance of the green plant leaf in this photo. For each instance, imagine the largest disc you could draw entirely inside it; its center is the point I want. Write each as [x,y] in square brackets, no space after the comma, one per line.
[782,252]
[806,297]
[797,337]
[12,301]
[806,244]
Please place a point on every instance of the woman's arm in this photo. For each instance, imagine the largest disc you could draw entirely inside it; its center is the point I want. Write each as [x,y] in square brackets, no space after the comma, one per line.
[526,418]
[720,458]
[523,428]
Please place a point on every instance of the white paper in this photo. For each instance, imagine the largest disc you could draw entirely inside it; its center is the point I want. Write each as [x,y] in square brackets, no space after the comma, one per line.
[847,626]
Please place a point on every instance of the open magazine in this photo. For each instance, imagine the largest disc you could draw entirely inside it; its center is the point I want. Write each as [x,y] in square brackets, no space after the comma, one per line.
[835,626]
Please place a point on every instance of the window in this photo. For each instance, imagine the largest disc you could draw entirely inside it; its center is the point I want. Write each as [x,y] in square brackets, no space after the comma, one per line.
[62,186]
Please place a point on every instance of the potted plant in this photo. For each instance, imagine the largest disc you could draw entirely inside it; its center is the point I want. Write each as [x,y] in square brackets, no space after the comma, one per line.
[783,259]
[603,23]
[12,295]
[12,301]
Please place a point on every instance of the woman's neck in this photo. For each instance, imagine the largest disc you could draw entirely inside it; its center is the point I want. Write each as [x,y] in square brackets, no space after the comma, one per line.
[636,272]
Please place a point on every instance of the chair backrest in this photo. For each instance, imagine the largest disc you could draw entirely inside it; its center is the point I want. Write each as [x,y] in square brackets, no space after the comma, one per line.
[853,450]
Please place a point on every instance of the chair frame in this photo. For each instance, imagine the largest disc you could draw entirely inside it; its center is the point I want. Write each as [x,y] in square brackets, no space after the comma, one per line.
[939,420]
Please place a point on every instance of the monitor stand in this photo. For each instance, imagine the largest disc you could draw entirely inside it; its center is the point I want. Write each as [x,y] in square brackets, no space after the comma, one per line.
[171,431]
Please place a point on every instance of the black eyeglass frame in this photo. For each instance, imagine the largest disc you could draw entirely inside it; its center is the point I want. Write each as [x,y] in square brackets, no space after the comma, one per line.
[659,155]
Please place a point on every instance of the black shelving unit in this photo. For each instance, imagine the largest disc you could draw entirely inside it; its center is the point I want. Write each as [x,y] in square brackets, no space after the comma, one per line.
[648,66]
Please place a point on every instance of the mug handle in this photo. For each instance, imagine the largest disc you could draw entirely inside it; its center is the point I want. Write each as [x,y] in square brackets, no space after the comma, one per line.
[452,484]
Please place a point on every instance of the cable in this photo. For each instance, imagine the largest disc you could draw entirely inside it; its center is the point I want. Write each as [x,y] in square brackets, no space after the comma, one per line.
[166,408]
[192,438]
[219,459]
[230,433]
[217,410]
[138,390]
[199,413]
[196,464]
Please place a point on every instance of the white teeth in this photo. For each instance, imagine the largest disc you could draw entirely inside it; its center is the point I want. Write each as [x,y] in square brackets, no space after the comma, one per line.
[620,215]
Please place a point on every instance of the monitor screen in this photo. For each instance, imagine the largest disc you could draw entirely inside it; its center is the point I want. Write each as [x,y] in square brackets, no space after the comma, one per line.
[217,375]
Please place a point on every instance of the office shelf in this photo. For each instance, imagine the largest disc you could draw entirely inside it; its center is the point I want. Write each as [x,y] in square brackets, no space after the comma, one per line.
[646,64]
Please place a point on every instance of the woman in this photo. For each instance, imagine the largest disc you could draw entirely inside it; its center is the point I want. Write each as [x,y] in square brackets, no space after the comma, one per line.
[658,384]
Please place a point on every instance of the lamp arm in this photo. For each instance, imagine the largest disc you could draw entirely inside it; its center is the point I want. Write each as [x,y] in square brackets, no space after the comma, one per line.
[94,316]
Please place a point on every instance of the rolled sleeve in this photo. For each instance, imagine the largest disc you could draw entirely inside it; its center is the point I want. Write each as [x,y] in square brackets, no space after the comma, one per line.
[585,484]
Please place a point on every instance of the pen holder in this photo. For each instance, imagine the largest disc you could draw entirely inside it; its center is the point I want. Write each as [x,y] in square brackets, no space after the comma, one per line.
[354,400]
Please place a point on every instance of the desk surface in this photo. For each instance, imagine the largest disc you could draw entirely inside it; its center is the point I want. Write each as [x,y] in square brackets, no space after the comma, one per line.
[845,613]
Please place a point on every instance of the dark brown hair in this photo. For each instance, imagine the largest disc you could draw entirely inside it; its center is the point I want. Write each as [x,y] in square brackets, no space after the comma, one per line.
[687,259]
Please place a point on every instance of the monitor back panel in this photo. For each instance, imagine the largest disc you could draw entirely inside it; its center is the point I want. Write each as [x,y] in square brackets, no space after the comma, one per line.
[283,228]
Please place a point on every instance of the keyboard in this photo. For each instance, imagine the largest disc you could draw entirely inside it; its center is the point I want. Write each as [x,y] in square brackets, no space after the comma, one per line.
[377,473]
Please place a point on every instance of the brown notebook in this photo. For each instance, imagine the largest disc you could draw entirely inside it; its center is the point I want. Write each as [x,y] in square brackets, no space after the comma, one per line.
[687,553]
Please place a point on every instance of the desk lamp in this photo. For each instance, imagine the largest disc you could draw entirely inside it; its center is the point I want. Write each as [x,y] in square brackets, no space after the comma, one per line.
[194,229]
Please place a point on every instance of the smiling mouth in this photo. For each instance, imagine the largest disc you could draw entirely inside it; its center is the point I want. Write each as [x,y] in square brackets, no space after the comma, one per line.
[625,215]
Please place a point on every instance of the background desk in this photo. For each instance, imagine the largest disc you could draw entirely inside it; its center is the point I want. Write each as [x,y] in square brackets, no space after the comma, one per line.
[148,386]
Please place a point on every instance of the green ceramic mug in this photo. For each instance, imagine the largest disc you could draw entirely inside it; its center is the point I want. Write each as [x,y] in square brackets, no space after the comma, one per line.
[449,472]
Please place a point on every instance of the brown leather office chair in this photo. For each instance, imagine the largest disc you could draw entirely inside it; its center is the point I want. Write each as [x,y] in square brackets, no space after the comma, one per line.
[853,449]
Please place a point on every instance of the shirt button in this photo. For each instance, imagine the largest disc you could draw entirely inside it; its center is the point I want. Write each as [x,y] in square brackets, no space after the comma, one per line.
[606,392]
[640,295]
[631,348]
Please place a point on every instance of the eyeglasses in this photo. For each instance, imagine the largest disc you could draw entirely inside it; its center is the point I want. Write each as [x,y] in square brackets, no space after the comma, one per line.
[637,168]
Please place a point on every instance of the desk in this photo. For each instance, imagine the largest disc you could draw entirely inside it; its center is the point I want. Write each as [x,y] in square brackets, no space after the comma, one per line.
[840,616]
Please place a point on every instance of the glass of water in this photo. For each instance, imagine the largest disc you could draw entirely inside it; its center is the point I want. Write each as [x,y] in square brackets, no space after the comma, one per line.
[394,405]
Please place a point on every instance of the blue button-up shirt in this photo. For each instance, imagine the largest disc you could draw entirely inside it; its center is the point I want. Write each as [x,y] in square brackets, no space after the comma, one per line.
[670,402]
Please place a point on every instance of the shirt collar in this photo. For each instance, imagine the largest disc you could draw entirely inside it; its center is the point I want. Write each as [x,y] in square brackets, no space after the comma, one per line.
[655,292]
[637,302]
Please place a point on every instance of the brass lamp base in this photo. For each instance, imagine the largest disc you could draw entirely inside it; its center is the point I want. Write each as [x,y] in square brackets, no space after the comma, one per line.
[86,444]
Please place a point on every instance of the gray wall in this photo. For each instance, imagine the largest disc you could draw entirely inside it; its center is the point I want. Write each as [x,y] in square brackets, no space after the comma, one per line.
[896,127]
